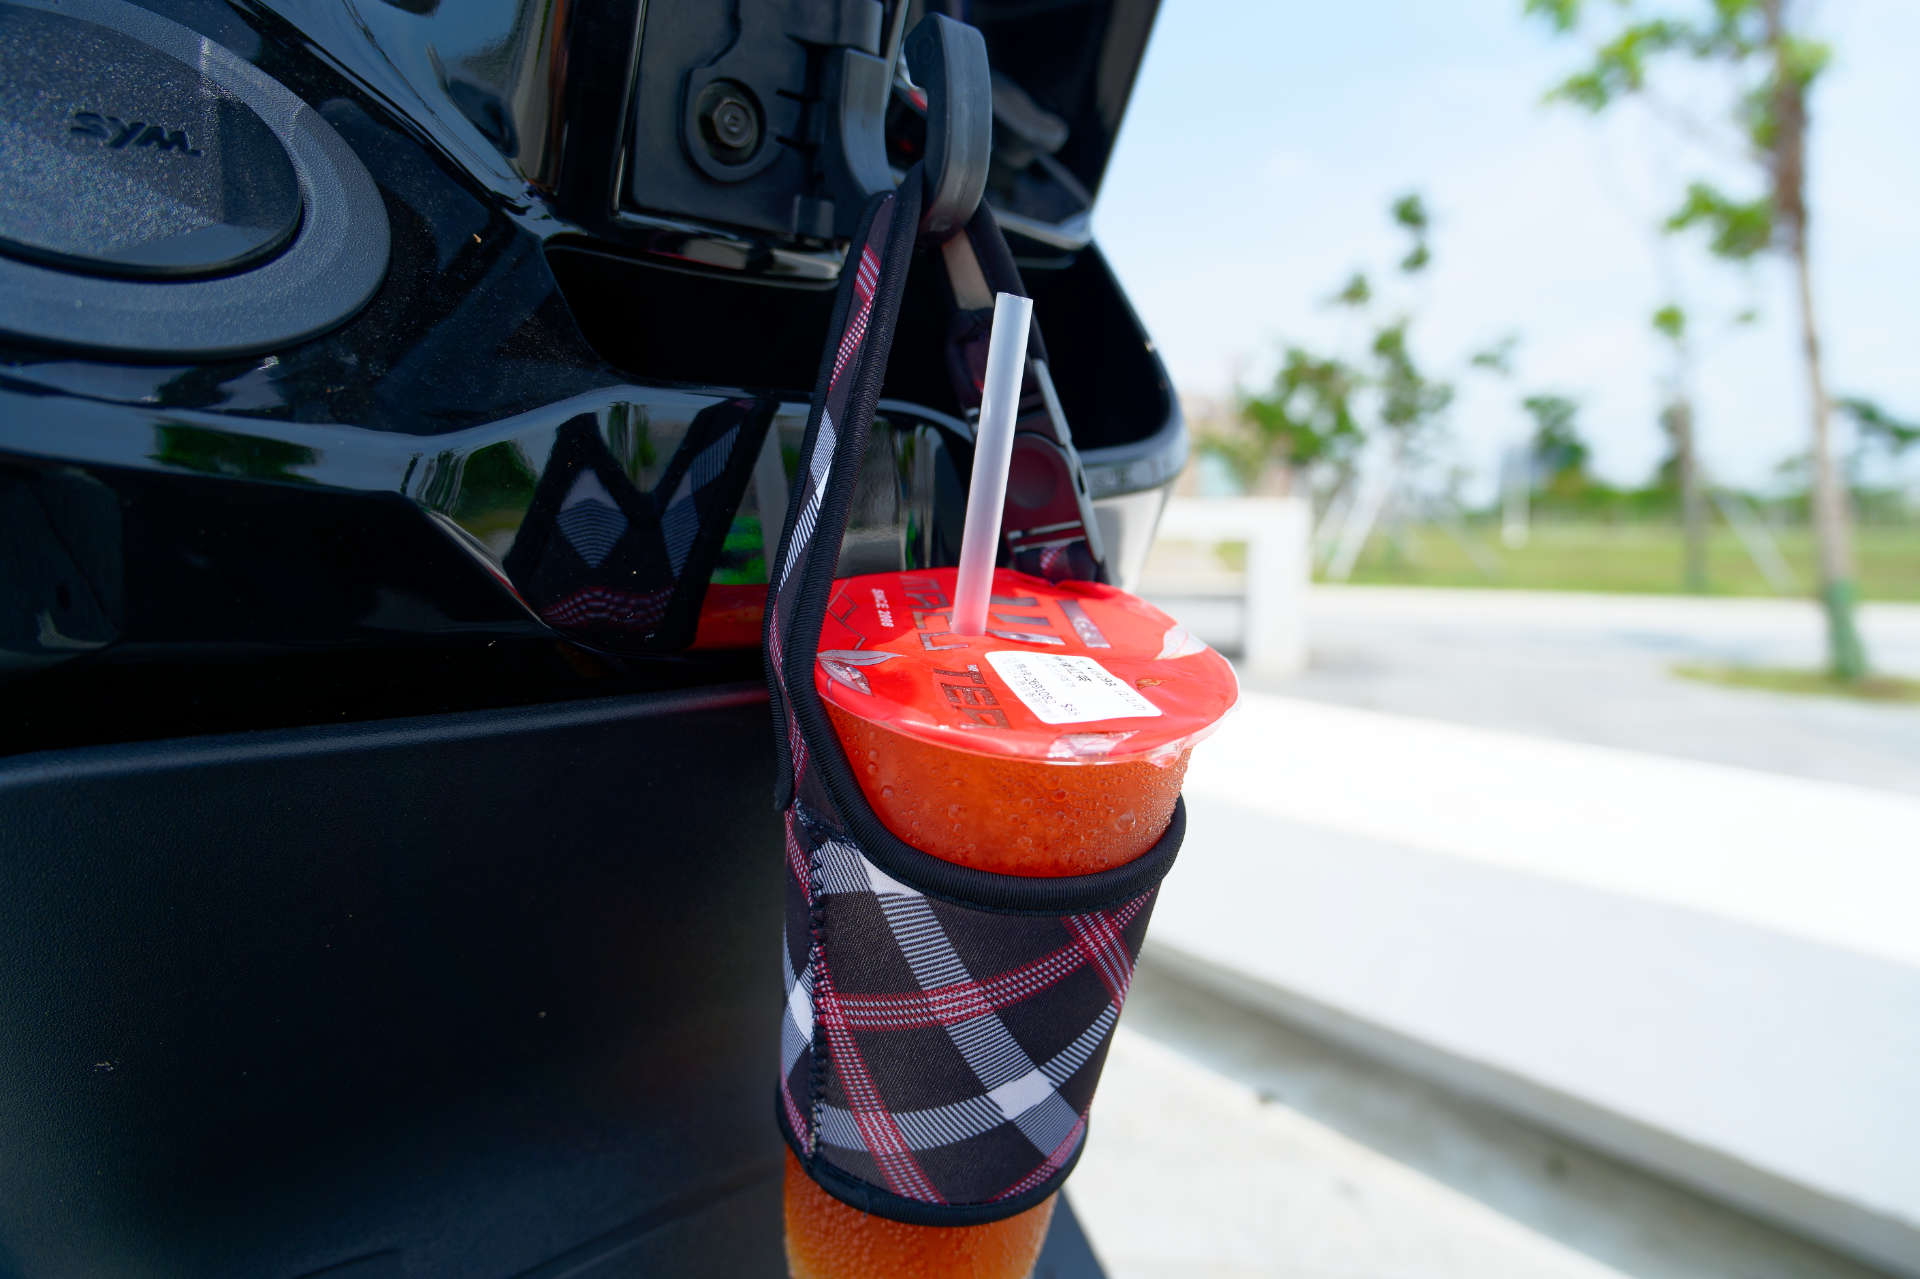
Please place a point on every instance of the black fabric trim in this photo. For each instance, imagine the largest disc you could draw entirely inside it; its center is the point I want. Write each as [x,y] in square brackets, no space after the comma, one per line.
[1000,271]
[878,1202]
[842,304]
[981,890]
[816,571]
[819,1055]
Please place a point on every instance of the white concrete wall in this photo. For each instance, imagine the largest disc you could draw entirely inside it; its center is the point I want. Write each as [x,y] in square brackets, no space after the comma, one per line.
[1276,533]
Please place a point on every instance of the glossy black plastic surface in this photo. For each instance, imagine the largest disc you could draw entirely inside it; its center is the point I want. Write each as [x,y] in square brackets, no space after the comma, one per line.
[466,995]
[128,236]
[358,493]
[1077,62]
[199,186]
[482,989]
[729,111]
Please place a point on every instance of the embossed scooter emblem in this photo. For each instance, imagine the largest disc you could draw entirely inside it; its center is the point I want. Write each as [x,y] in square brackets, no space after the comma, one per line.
[117,134]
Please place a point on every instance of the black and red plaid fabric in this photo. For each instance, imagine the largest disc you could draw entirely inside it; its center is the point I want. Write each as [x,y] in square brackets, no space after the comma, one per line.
[944,1027]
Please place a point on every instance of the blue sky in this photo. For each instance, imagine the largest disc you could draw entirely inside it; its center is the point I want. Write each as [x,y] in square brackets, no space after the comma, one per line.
[1265,140]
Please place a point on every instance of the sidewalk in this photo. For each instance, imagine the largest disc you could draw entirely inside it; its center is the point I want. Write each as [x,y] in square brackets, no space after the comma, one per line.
[1710,971]
[1225,1146]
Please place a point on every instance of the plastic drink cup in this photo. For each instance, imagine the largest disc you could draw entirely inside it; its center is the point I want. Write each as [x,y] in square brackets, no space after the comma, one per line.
[1053,744]
[826,1239]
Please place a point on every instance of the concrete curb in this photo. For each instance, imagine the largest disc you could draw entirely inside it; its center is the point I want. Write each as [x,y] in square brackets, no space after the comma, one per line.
[1871,1237]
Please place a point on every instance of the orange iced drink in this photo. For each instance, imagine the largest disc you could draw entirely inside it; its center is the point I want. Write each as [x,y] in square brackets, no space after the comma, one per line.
[1054,745]
[826,1239]
[1011,816]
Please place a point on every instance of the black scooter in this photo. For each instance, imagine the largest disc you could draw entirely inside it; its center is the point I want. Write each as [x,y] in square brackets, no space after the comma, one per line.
[397,405]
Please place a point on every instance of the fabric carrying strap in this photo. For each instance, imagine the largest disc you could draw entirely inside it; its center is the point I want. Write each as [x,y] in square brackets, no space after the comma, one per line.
[1048,525]
[944,1027]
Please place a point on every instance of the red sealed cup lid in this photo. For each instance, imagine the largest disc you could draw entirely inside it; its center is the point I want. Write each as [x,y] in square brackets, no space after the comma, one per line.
[1074,672]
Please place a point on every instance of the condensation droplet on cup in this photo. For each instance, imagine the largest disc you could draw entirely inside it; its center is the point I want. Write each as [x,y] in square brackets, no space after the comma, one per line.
[886,792]
[1125,822]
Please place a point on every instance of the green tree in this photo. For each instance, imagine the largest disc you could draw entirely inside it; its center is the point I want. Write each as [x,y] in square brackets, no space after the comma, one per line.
[1312,411]
[1876,432]
[1875,427]
[1305,416]
[1772,65]
[1406,404]
[1322,410]
[1558,453]
[1676,420]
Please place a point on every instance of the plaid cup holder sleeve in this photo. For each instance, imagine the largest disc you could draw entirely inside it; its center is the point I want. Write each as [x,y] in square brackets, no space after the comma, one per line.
[939,1056]
[943,1027]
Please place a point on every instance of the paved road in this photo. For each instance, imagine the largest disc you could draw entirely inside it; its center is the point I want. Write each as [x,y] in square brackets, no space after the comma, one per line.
[1594,669]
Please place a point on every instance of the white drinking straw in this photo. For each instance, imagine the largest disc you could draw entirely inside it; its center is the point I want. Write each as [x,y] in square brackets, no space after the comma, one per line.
[992,453]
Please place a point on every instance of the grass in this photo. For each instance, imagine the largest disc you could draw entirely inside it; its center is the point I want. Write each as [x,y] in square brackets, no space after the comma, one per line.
[1636,558]
[1782,679]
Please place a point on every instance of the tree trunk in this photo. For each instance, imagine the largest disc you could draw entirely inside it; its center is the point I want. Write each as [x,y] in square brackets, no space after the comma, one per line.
[1276,479]
[1693,497]
[1832,518]
[1832,522]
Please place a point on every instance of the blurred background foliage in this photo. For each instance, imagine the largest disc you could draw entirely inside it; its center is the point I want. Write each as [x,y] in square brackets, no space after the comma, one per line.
[1360,426]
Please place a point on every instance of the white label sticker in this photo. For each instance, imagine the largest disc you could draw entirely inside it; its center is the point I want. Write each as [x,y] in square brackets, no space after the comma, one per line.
[1069,690]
